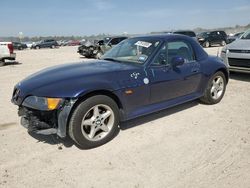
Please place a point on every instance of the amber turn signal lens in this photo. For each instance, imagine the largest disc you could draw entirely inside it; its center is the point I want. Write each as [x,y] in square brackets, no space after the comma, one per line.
[129,92]
[53,103]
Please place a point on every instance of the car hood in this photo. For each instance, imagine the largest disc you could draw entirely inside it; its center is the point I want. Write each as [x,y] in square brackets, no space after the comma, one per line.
[71,79]
[241,44]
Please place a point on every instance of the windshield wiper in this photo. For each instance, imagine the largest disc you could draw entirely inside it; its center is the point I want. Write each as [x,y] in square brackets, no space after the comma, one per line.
[111,59]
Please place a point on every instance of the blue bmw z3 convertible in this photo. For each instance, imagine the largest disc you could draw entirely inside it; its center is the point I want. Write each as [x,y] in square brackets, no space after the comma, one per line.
[140,75]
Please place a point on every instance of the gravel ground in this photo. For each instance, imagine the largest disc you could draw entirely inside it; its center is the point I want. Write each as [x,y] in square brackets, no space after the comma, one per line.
[191,145]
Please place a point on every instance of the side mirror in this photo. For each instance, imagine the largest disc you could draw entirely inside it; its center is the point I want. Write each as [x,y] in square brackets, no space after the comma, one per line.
[177,61]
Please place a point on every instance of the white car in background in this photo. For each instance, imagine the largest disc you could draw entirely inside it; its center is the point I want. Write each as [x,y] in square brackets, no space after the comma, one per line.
[6,52]
[237,54]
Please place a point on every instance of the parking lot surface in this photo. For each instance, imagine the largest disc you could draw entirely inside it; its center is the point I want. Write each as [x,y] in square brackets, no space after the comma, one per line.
[191,145]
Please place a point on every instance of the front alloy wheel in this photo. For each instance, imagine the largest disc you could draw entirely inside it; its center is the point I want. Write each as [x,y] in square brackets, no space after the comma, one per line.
[97,122]
[94,122]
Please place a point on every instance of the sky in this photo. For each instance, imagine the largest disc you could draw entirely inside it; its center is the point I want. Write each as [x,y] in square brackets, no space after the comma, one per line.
[91,17]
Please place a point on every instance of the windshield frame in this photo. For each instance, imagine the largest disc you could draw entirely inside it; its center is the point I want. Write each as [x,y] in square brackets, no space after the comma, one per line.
[246,33]
[149,58]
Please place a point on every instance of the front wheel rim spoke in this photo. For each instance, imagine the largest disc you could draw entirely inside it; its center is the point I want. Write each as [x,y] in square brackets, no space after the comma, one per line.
[104,128]
[93,131]
[96,111]
[106,115]
[87,122]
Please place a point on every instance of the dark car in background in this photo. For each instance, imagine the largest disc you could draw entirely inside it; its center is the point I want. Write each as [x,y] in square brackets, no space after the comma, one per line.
[234,37]
[97,48]
[19,46]
[48,43]
[186,32]
[207,39]
[139,76]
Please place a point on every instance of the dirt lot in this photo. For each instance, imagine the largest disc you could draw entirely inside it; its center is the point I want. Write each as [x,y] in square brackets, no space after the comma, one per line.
[192,145]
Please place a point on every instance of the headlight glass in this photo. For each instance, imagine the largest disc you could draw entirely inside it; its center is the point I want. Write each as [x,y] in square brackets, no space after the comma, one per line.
[42,103]
[224,50]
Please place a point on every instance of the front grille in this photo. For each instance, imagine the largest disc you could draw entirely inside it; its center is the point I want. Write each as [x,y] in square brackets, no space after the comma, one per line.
[239,62]
[239,51]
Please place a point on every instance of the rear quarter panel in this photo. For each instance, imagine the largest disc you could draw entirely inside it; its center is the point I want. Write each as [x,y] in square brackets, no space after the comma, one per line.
[210,66]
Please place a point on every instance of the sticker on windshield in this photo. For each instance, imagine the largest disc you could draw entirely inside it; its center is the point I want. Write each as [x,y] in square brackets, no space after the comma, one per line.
[143,44]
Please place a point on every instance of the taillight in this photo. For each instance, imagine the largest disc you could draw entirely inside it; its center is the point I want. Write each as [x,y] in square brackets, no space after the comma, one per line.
[11,48]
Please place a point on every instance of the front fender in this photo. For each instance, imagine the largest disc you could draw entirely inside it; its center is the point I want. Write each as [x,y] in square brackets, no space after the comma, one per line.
[73,89]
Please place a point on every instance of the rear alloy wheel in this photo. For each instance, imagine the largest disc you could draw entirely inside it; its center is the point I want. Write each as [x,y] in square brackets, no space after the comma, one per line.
[215,89]
[94,122]
[37,47]
[206,44]
[53,46]
[223,43]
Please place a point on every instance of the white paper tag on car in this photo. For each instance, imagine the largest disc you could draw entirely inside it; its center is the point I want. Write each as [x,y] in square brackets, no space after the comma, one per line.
[143,44]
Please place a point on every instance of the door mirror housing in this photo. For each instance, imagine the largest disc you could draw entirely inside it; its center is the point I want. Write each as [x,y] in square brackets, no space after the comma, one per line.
[177,61]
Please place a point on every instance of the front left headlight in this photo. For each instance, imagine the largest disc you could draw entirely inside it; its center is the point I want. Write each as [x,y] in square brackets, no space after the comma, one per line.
[42,103]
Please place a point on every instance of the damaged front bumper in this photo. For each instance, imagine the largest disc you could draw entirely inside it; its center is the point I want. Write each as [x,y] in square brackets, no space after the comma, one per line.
[47,122]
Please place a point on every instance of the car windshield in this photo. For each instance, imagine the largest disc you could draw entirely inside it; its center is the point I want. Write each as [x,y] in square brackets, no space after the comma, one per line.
[134,50]
[205,34]
[246,35]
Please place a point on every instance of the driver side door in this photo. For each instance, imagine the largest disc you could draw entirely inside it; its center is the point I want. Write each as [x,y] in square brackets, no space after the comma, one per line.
[168,82]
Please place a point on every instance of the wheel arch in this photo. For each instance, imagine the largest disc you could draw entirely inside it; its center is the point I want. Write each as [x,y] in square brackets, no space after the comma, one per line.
[225,72]
[94,93]
[100,92]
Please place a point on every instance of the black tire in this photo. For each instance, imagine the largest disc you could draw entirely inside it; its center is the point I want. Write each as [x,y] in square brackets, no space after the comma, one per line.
[81,111]
[208,97]
[223,43]
[206,44]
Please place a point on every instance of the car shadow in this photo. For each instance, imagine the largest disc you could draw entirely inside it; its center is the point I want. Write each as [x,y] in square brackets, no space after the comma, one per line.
[151,117]
[67,142]
[240,76]
[9,63]
[53,140]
